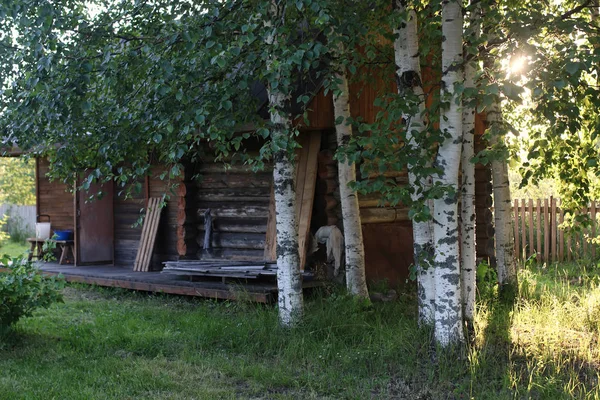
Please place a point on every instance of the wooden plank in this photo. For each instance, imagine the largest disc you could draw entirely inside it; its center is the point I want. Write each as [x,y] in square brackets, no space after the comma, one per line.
[516,228]
[307,196]
[524,228]
[306,175]
[593,228]
[584,233]
[546,232]
[553,227]
[561,237]
[531,238]
[271,236]
[539,229]
[198,291]
[149,231]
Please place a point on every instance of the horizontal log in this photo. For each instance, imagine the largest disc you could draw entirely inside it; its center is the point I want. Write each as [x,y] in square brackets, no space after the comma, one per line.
[332,220]
[245,225]
[234,194]
[231,254]
[484,215]
[253,241]
[484,230]
[259,179]
[215,167]
[327,171]
[383,215]
[326,186]
[325,157]
[233,210]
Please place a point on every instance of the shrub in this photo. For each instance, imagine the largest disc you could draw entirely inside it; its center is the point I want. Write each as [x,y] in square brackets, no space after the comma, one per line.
[4,236]
[23,289]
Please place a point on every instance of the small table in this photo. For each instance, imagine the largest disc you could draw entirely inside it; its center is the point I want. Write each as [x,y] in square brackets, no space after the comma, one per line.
[66,246]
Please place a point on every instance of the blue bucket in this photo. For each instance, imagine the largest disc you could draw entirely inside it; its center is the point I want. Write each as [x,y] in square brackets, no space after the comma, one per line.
[63,235]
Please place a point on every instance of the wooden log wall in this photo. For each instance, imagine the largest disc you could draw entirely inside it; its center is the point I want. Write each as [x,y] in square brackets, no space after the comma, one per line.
[54,199]
[127,231]
[484,220]
[239,202]
[175,230]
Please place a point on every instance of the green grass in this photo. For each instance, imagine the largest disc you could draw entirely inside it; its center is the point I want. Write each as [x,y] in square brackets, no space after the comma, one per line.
[14,249]
[113,344]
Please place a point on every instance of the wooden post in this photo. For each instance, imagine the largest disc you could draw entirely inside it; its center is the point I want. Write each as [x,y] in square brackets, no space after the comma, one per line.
[553,227]
[516,227]
[586,211]
[524,228]
[531,239]
[538,224]
[561,237]
[593,231]
[546,232]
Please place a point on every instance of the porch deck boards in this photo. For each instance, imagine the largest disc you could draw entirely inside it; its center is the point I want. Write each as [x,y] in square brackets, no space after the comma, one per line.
[110,276]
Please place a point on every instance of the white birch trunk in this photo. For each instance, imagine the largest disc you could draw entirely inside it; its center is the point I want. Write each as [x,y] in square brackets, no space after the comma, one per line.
[408,71]
[289,278]
[448,306]
[468,235]
[353,240]
[506,262]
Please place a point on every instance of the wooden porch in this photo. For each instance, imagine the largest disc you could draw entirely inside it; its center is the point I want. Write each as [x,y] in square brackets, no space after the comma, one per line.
[157,282]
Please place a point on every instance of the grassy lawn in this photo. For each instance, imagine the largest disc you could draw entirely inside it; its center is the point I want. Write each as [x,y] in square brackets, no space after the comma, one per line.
[113,344]
[14,249]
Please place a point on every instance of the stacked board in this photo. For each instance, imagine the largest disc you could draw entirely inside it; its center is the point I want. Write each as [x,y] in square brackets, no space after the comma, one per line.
[149,230]
[224,269]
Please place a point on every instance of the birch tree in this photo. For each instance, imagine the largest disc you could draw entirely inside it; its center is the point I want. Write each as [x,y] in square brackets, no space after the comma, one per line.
[353,240]
[448,307]
[467,226]
[408,76]
[289,278]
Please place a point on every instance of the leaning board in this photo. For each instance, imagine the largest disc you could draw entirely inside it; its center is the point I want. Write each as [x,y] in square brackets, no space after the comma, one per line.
[149,230]
[306,178]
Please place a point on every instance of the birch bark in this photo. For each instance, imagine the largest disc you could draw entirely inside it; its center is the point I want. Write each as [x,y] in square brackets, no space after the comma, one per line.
[468,235]
[506,262]
[289,278]
[448,307]
[353,240]
[408,72]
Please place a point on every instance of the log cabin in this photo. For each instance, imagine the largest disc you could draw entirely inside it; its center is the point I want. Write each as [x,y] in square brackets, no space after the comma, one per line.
[241,205]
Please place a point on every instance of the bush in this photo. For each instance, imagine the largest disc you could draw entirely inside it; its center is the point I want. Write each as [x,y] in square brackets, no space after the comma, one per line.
[23,289]
[4,236]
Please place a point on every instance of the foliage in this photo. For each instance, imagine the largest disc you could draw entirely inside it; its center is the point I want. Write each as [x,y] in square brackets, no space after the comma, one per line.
[17,181]
[4,236]
[48,249]
[24,289]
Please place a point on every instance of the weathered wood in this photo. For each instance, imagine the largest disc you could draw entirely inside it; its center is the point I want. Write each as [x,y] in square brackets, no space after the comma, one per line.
[531,238]
[328,172]
[383,215]
[524,227]
[553,228]
[236,240]
[561,238]
[248,225]
[236,210]
[221,181]
[208,224]
[516,227]
[149,230]
[539,230]
[593,228]
[546,232]
[233,194]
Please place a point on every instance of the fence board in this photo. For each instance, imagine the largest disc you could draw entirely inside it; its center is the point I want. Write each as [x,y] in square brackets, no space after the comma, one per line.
[538,224]
[524,229]
[516,226]
[593,215]
[551,243]
[546,230]
[553,227]
[561,238]
[21,219]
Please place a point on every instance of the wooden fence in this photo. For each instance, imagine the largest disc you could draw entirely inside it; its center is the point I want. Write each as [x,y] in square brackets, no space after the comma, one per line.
[21,219]
[537,231]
